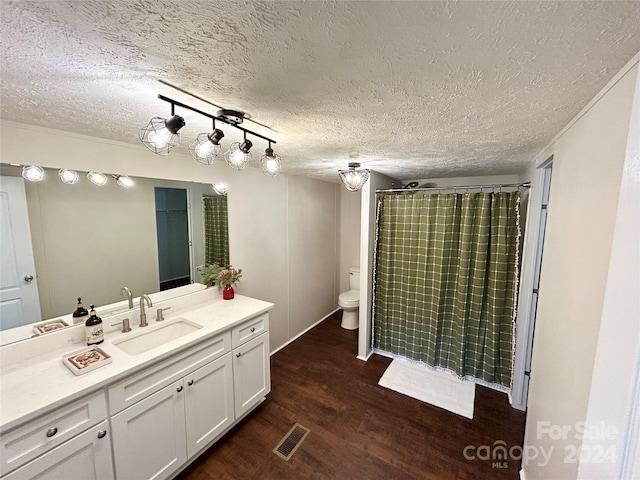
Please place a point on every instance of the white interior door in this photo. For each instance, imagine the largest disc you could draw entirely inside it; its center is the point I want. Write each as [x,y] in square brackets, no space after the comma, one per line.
[19,302]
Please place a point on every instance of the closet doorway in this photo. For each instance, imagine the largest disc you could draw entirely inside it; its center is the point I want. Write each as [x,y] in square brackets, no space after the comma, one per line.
[173,226]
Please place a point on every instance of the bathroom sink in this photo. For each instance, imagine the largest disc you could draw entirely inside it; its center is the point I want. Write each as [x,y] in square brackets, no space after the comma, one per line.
[144,341]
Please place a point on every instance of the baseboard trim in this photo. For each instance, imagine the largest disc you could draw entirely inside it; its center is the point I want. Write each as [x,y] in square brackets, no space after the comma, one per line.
[364,359]
[303,332]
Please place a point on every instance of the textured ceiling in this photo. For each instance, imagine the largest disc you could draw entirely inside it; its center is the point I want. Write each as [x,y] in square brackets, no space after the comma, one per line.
[410,89]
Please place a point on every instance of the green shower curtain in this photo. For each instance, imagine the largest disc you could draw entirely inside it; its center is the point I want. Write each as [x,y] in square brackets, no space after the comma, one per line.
[446,281]
[216,230]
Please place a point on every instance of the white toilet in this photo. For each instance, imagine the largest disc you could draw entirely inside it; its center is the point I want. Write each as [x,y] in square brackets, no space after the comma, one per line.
[350,301]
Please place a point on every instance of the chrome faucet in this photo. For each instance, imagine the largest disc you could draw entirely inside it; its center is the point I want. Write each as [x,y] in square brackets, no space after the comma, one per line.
[127,292]
[143,314]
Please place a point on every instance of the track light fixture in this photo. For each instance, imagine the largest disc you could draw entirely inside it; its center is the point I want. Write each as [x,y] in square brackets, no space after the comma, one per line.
[354,179]
[220,188]
[206,147]
[124,181]
[33,173]
[69,177]
[271,163]
[97,178]
[161,135]
[239,154]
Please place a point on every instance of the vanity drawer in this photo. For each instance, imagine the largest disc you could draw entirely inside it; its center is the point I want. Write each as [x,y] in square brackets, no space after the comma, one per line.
[249,329]
[24,443]
[139,386]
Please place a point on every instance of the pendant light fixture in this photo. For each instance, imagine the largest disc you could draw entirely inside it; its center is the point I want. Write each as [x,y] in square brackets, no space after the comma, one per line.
[206,147]
[70,177]
[124,181]
[239,154]
[220,188]
[271,163]
[33,173]
[353,178]
[161,135]
[97,178]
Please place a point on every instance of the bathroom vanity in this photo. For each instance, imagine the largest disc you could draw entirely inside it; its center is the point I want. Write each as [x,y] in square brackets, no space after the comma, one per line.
[172,389]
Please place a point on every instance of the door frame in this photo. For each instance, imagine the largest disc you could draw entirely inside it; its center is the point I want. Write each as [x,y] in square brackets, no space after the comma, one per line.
[529,278]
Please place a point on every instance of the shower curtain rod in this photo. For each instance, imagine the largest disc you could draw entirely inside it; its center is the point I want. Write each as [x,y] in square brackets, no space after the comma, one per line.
[459,187]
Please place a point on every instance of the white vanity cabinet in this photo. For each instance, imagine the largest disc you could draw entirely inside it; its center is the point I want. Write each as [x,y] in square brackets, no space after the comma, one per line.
[156,435]
[144,417]
[170,412]
[251,373]
[73,441]
[86,456]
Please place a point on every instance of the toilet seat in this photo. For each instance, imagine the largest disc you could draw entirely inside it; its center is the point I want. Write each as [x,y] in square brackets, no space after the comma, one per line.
[349,299]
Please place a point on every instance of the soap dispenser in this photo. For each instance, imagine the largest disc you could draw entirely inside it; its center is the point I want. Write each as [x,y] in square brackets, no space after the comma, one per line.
[81,314]
[93,328]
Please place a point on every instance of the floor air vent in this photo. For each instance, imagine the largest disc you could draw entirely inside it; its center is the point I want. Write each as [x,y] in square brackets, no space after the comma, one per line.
[292,440]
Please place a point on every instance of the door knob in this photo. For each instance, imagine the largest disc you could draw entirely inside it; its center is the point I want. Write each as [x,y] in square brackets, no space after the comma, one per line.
[179,389]
[102,433]
[28,278]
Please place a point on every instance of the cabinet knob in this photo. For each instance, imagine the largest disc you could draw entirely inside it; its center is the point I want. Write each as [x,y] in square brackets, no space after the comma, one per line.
[238,354]
[253,329]
[51,432]
[190,382]
[102,433]
[179,389]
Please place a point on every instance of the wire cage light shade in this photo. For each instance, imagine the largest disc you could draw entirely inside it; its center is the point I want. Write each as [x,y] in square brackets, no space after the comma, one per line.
[161,135]
[70,177]
[239,154]
[33,173]
[271,163]
[206,147]
[354,178]
[220,188]
[124,181]
[97,178]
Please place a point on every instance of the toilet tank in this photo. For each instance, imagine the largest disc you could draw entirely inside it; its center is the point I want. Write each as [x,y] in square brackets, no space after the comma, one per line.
[354,278]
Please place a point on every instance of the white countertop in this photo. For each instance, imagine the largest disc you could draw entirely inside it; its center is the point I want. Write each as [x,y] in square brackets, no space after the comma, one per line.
[35,382]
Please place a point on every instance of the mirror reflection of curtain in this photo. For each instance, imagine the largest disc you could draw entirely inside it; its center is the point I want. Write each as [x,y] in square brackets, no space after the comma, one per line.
[446,281]
[216,230]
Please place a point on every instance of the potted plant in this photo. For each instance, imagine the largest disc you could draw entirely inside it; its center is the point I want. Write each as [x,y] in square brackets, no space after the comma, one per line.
[210,273]
[226,279]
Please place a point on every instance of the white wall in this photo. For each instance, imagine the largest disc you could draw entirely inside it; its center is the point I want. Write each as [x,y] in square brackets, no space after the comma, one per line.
[313,251]
[585,186]
[349,236]
[264,217]
[376,181]
[611,399]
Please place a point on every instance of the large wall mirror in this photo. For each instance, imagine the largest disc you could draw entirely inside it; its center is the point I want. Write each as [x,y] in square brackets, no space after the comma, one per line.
[90,241]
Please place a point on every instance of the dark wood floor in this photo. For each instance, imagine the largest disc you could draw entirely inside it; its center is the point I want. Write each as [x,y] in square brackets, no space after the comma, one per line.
[359,430]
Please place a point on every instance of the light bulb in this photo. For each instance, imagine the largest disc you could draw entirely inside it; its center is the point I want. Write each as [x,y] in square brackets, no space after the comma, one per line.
[97,178]
[33,173]
[220,188]
[69,177]
[124,181]
[160,138]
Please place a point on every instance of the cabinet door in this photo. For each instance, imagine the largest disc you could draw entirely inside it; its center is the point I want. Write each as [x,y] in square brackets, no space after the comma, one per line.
[149,440]
[86,456]
[208,403]
[251,373]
